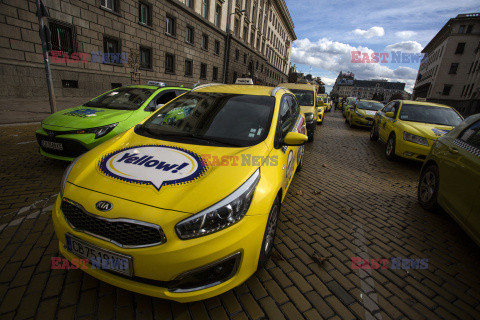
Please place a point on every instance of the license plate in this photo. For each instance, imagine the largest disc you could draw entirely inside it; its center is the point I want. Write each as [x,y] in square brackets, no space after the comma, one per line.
[52,145]
[100,258]
[369,123]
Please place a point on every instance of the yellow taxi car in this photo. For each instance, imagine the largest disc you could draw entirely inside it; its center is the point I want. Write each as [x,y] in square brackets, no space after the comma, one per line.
[362,112]
[185,209]
[307,98]
[450,176]
[321,109]
[409,128]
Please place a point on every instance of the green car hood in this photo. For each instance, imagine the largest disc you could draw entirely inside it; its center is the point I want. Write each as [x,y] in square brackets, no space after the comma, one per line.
[86,117]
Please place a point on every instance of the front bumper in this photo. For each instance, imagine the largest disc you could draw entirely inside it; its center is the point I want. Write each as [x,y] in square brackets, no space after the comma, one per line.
[156,268]
[413,151]
[362,122]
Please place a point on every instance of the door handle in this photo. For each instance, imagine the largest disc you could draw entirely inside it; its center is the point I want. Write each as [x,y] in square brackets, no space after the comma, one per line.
[453,150]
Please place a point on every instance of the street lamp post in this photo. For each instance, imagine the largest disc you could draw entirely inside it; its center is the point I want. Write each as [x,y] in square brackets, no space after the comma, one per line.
[228,39]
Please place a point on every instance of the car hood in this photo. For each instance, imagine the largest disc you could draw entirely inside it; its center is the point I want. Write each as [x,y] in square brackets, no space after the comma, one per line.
[427,130]
[86,117]
[164,174]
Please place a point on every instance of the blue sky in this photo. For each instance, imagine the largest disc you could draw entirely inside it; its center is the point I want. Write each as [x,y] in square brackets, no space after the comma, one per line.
[328,31]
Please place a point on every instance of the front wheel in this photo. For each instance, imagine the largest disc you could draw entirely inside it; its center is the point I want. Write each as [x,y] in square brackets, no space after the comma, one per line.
[427,191]
[390,148]
[374,133]
[269,235]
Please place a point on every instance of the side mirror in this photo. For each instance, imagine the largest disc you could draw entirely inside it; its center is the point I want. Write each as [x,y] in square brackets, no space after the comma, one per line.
[295,139]
[389,114]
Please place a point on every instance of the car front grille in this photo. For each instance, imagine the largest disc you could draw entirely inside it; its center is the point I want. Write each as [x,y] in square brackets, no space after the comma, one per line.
[369,118]
[122,232]
[71,148]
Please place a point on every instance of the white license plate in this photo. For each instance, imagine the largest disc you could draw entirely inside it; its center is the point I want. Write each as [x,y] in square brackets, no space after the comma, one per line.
[100,258]
[52,145]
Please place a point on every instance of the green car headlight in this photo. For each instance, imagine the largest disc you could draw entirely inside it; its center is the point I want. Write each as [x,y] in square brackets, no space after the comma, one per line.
[407,136]
[99,131]
[222,214]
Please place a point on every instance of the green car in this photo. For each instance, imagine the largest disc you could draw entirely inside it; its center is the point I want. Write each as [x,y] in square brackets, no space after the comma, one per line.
[450,176]
[69,133]
[362,112]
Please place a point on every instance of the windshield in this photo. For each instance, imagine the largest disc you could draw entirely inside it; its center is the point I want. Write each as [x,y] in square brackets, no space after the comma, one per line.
[370,105]
[304,97]
[214,118]
[122,99]
[429,114]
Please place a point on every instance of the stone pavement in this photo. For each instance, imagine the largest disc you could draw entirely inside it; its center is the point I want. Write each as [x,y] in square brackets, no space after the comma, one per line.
[33,109]
[348,201]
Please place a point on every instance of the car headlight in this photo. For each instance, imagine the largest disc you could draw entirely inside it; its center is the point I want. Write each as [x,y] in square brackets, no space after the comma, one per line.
[359,114]
[414,138]
[309,117]
[65,175]
[99,131]
[222,214]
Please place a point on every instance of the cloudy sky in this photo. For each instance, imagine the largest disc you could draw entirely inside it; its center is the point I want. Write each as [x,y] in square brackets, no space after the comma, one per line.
[328,31]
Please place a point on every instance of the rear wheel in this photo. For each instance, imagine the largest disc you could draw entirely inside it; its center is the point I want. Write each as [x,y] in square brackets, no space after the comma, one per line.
[390,148]
[270,232]
[374,133]
[428,188]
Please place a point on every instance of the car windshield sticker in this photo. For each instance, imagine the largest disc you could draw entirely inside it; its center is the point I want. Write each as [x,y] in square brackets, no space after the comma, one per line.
[83,113]
[259,131]
[112,93]
[440,132]
[370,112]
[153,165]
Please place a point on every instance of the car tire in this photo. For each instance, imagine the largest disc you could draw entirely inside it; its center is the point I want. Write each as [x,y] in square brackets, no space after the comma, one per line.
[300,165]
[390,148]
[374,133]
[269,235]
[427,192]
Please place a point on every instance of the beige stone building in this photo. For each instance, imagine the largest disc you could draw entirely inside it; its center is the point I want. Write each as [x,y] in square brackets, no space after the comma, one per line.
[450,74]
[100,44]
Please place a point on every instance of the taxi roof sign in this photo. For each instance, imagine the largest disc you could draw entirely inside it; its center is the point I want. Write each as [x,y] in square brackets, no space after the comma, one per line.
[244,81]
[156,83]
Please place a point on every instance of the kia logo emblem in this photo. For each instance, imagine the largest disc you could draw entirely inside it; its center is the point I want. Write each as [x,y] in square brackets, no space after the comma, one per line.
[103,205]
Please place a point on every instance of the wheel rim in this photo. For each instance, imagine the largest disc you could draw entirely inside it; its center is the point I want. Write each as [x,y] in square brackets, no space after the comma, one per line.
[272,226]
[390,146]
[427,186]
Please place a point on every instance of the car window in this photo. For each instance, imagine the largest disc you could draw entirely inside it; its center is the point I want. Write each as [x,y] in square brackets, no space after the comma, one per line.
[304,97]
[125,98]
[389,107]
[294,107]
[286,115]
[165,96]
[471,135]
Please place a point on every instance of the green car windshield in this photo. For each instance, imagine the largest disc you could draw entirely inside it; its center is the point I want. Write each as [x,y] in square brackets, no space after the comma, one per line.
[304,97]
[365,105]
[429,114]
[126,98]
[213,118]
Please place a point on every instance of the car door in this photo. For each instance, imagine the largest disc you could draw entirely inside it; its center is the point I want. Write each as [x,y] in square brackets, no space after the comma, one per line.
[460,176]
[382,121]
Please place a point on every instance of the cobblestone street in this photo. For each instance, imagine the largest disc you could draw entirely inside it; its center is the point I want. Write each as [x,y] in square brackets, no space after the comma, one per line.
[348,201]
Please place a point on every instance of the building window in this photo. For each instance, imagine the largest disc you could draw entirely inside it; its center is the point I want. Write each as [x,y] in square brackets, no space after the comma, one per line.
[169,63]
[190,37]
[190,4]
[69,84]
[470,91]
[171,28]
[115,85]
[469,28]
[460,48]
[205,7]
[245,33]
[237,54]
[204,41]
[203,71]
[446,89]
[215,74]
[234,76]
[111,46]
[145,14]
[62,37]
[463,90]
[111,5]
[245,58]
[188,67]
[461,29]
[216,48]
[252,38]
[145,58]
[218,15]
[453,68]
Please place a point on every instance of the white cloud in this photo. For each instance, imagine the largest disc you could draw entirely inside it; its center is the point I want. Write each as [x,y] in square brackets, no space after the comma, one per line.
[407,34]
[335,56]
[405,46]
[370,33]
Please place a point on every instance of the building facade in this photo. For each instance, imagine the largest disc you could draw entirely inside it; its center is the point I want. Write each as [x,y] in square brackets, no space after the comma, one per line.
[450,74]
[101,44]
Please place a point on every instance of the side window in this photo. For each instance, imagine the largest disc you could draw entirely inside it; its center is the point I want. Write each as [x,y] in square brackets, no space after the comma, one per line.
[389,107]
[165,97]
[396,108]
[471,135]
[286,117]
[294,107]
